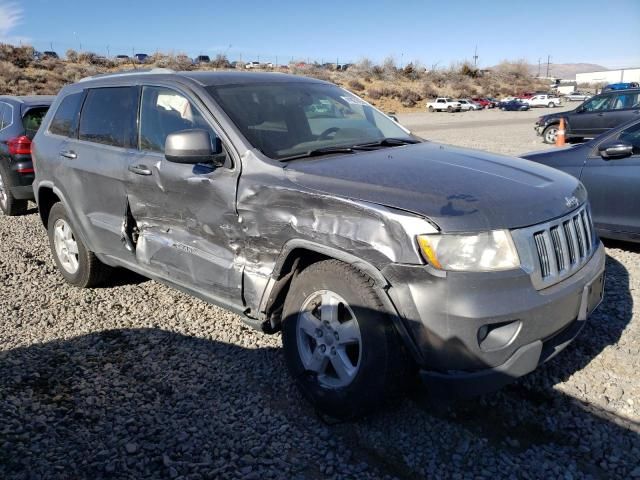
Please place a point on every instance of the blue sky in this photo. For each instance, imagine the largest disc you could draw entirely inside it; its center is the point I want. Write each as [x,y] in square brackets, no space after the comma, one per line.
[432,32]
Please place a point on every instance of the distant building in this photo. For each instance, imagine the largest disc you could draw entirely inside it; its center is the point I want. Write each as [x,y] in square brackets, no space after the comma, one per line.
[610,76]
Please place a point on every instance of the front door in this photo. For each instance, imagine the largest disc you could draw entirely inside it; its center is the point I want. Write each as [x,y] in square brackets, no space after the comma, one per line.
[184,225]
[614,186]
[588,120]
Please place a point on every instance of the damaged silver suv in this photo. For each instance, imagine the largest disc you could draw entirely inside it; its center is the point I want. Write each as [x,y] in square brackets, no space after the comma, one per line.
[305,210]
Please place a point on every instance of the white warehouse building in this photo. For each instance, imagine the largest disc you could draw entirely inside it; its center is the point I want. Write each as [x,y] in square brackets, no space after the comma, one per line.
[610,76]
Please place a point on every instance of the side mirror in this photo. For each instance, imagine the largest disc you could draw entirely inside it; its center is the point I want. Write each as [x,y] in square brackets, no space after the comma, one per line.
[193,146]
[615,149]
[392,116]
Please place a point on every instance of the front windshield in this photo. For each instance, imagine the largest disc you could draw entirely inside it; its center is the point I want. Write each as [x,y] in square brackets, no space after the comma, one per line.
[288,119]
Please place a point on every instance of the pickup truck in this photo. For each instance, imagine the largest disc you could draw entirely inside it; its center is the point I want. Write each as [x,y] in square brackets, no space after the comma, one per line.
[444,104]
[542,100]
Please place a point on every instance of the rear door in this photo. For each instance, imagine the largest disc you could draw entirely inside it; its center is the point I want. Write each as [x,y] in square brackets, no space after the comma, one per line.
[625,106]
[588,120]
[95,165]
[614,186]
[183,216]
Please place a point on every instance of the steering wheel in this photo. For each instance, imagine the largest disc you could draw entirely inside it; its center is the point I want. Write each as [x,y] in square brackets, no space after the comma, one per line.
[325,135]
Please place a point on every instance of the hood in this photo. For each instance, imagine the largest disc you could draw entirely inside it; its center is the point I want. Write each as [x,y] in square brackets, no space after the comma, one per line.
[458,189]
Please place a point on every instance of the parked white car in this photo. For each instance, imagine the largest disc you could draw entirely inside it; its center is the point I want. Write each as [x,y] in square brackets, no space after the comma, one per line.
[466,104]
[543,100]
[444,104]
[251,65]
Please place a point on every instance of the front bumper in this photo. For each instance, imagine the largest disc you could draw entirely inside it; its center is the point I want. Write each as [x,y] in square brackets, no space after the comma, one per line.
[478,331]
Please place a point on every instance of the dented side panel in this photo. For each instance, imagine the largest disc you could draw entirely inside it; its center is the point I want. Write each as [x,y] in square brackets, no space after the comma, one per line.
[274,211]
[187,225]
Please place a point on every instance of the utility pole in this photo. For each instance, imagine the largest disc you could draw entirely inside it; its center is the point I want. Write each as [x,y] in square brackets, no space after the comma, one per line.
[108,52]
[51,45]
[548,62]
[538,75]
[475,57]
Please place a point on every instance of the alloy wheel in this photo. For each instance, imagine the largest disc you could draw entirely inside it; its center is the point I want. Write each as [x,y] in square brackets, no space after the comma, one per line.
[66,246]
[329,340]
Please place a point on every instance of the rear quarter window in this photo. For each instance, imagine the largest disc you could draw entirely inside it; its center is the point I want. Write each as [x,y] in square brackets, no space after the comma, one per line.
[32,120]
[65,120]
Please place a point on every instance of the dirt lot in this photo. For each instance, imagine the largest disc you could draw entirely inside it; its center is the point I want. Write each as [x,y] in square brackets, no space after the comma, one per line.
[510,133]
[136,380]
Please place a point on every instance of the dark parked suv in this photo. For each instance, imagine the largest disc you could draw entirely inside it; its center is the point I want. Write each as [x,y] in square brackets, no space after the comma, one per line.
[593,117]
[304,209]
[20,118]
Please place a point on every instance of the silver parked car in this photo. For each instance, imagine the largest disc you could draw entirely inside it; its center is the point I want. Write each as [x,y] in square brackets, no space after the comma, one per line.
[467,105]
[577,97]
[305,210]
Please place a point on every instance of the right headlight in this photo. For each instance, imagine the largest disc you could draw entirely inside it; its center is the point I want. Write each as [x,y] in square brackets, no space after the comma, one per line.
[478,252]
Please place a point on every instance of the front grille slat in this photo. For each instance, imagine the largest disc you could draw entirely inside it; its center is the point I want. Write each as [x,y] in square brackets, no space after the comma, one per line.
[563,246]
[580,234]
[558,248]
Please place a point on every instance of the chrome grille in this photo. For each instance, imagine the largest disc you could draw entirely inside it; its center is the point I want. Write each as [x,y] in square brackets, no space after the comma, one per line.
[557,249]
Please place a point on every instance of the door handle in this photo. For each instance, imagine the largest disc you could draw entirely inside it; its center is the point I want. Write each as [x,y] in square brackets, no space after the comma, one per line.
[70,154]
[139,169]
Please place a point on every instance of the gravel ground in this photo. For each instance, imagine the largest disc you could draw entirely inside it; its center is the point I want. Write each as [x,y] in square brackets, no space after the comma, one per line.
[136,380]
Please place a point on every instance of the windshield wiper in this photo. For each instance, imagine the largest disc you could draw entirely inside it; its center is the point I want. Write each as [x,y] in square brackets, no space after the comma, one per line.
[385,142]
[317,152]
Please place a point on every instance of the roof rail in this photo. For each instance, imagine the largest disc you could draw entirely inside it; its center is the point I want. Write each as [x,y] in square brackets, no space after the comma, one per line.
[123,73]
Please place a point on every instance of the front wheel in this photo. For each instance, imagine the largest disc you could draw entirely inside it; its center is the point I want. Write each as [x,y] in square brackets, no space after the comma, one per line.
[550,133]
[431,109]
[551,105]
[449,109]
[78,265]
[339,345]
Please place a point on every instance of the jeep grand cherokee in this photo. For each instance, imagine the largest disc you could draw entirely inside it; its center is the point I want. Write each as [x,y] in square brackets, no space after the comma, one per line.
[304,209]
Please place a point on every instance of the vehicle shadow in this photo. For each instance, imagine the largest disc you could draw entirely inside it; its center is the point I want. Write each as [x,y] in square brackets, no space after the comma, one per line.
[152,403]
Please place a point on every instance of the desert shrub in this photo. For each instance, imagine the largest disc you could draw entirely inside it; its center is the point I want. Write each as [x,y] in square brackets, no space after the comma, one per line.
[72,55]
[221,61]
[86,57]
[356,85]
[409,98]
[20,57]
[318,73]
[469,70]
[428,90]
[374,93]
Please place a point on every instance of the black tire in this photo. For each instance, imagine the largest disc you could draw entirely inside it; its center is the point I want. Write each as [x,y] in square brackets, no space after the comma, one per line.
[549,134]
[450,109]
[430,109]
[382,366]
[10,205]
[90,271]
[551,105]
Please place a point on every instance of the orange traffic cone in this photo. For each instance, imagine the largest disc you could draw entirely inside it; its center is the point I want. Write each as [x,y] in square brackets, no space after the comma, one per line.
[560,140]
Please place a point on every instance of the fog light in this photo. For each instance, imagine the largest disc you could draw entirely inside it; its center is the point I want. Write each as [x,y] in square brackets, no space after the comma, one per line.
[498,335]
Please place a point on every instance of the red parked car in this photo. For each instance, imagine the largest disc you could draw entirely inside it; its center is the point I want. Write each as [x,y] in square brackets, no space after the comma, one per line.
[484,102]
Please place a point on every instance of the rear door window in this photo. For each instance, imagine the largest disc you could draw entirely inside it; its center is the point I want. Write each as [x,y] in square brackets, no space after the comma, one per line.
[109,117]
[623,101]
[65,120]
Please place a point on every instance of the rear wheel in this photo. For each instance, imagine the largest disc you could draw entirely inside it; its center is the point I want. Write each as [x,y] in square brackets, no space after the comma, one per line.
[78,266]
[9,205]
[339,345]
[550,133]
